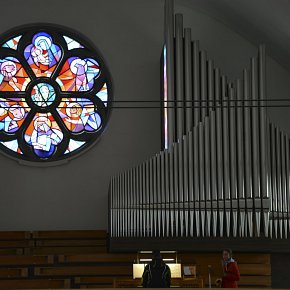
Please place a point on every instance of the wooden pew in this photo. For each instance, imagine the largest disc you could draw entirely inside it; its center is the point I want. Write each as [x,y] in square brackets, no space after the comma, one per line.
[35,284]
[13,272]
[84,270]
[26,260]
[97,258]
[97,282]
[69,242]
[127,283]
[81,255]
[14,235]
[81,234]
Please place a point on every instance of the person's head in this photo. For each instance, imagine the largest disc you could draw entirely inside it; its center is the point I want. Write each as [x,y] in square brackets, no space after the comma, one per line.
[156,254]
[227,254]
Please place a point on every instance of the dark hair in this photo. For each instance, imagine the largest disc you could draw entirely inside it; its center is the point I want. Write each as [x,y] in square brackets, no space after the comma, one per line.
[156,254]
[229,251]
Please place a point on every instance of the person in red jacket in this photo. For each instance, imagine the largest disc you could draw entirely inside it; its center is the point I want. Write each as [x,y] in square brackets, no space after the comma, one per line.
[230,270]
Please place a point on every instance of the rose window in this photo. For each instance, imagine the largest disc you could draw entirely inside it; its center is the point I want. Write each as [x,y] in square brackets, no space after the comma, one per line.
[55,94]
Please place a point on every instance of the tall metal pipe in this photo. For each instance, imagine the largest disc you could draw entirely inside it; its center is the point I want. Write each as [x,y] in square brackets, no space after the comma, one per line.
[233,144]
[287,148]
[176,188]
[207,161]
[196,83]
[179,75]
[220,184]
[144,199]
[171,188]
[162,164]
[154,195]
[203,85]
[185,168]
[226,157]
[240,142]
[283,183]
[213,155]
[279,181]
[264,163]
[169,45]
[255,129]
[167,192]
[190,168]
[188,79]
[247,137]
[201,161]
[158,196]
[210,85]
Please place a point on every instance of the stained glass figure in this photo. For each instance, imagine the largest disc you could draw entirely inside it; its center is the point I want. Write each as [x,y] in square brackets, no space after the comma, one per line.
[44,134]
[13,77]
[53,102]
[43,94]
[12,114]
[79,114]
[78,74]
[42,54]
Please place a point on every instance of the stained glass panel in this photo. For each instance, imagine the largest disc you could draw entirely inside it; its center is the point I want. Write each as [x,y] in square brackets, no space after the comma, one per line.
[43,94]
[103,95]
[71,44]
[12,145]
[13,77]
[42,54]
[78,74]
[74,145]
[13,112]
[50,94]
[78,114]
[12,43]
[43,134]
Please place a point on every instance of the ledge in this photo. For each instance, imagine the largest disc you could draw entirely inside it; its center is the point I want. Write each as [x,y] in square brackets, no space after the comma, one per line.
[257,245]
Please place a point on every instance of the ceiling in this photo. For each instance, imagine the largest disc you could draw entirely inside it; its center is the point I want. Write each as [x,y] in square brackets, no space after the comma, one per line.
[258,21]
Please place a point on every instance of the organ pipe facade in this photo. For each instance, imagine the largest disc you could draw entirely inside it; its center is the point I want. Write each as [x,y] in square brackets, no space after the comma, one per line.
[224,171]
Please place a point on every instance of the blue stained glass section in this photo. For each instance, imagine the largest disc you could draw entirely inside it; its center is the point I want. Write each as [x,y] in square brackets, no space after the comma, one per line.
[42,55]
[78,74]
[43,134]
[43,94]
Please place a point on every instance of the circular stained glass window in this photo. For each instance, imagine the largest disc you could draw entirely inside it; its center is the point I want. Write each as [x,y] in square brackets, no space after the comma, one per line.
[55,94]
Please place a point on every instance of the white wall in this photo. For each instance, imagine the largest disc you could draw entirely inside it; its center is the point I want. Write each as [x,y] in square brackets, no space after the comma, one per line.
[74,196]
[129,33]
[232,53]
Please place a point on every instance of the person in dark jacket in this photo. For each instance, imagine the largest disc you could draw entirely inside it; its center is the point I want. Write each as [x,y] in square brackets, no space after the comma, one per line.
[230,270]
[156,274]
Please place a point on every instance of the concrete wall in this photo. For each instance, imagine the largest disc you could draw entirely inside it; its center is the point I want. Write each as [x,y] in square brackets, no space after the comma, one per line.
[129,33]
